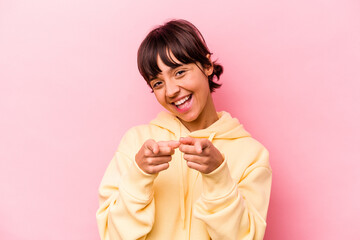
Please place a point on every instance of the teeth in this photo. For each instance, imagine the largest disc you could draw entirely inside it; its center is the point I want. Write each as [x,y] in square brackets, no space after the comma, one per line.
[181,101]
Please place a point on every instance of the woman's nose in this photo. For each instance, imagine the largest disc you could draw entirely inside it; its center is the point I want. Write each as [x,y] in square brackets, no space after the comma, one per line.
[172,88]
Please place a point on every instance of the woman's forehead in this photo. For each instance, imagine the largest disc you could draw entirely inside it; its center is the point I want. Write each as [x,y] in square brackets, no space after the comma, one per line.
[168,64]
[169,60]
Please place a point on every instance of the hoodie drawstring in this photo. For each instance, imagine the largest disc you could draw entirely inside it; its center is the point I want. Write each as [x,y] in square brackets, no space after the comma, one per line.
[181,183]
[182,194]
[211,137]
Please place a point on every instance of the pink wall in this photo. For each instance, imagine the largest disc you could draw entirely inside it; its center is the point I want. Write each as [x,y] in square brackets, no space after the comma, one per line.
[70,88]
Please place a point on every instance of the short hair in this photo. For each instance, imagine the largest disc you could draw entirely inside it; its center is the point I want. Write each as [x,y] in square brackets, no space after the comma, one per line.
[184,41]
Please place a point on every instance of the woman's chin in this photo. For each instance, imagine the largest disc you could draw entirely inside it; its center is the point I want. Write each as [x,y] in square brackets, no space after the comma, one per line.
[188,118]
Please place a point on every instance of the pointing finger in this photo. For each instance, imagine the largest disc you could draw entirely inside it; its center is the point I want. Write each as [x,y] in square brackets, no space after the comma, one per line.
[172,144]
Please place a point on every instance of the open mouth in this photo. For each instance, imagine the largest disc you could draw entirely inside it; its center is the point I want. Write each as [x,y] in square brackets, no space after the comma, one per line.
[183,103]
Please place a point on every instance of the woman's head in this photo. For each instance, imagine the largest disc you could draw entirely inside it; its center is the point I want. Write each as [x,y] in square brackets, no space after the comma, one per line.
[178,38]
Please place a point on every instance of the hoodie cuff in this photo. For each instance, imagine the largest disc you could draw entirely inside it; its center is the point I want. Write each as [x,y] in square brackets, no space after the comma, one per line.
[218,183]
[137,183]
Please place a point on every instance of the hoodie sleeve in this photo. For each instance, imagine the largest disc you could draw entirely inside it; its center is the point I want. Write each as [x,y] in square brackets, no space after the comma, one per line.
[127,207]
[236,209]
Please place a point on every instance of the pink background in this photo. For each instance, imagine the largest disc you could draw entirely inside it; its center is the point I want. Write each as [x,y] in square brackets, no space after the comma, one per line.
[70,88]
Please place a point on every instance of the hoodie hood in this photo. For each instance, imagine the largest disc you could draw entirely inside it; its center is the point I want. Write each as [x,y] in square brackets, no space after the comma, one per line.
[226,127]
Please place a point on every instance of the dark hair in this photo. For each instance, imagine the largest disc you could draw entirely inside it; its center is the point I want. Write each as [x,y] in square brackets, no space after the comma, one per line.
[184,41]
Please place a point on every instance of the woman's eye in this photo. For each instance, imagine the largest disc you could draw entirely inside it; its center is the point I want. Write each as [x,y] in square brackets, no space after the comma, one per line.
[156,84]
[179,73]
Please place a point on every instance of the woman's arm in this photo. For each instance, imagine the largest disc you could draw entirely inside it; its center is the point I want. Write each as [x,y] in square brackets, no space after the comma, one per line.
[127,208]
[236,210]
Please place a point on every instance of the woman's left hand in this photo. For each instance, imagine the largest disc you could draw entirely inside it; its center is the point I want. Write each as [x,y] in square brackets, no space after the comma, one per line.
[200,154]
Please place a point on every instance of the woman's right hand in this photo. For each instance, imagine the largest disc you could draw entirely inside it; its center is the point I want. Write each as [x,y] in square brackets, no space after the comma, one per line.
[154,157]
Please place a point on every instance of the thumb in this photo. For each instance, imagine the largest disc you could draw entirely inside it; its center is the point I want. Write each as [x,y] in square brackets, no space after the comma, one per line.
[187,140]
[198,147]
[153,146]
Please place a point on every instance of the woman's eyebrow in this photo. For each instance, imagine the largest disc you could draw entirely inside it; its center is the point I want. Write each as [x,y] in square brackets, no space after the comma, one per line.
[169,71]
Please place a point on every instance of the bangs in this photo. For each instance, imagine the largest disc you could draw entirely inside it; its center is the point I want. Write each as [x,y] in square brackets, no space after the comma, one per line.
[165,42]
[158,48]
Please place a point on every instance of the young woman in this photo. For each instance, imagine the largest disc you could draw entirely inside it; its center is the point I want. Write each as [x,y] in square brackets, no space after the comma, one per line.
[193,172]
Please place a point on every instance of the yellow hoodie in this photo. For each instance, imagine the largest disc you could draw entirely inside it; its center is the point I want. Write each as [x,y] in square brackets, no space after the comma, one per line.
[180,203]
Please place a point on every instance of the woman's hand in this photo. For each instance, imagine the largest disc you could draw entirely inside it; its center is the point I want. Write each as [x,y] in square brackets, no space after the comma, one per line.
[154,157]
[200,154]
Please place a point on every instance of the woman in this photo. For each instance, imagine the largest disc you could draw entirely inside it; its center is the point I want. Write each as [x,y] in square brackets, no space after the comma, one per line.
[191,173]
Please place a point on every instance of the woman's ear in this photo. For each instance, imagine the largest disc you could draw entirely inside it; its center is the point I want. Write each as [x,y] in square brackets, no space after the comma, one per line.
[209,69]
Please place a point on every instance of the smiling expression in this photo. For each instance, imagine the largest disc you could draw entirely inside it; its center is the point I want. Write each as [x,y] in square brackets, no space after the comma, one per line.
[184,91]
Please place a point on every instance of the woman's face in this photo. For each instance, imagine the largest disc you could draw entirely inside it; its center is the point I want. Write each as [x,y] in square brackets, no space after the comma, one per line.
[184,91]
